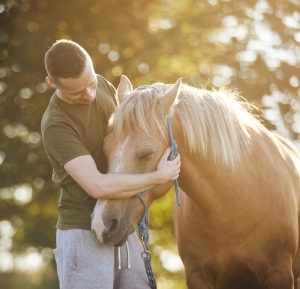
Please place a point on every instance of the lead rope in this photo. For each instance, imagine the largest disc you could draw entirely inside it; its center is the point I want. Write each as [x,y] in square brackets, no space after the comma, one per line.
[143,224]
[143,227]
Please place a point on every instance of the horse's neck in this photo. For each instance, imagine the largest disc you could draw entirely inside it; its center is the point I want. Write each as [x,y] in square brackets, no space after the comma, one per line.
[208,184]
[200,177]
[205,182]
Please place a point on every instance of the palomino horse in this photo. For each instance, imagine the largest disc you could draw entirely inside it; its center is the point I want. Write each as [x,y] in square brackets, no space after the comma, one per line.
[237,225]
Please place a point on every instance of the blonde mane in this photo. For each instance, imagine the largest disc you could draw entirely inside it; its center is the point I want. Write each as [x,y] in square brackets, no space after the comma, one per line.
[215,122]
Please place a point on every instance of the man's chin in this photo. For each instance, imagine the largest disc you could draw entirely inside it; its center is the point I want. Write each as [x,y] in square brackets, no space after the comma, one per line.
[87,101]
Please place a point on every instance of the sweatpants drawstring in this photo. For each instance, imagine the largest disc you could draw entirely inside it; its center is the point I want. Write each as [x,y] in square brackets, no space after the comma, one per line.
[128,257]
[119,258]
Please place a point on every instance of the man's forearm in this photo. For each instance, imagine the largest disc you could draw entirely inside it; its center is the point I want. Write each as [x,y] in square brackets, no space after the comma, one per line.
[119,186]
[84,171]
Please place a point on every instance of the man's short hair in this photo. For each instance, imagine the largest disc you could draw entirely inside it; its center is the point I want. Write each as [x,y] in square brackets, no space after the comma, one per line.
[65,59]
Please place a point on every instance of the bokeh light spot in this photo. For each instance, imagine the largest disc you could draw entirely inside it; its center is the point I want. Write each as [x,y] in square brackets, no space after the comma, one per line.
[34,138]
[38,183]
[6,261]
[171,261]
[6,229]
[2,157]
[3,87]
[33,27]
[23,194]
[3,54]
[41,87]
[113,56]
[62,25]
[12,131]
[117,70]
[3,72]
[294,81]
[31,261]
[143,68]
[16,67]
[25,93]
[104,47]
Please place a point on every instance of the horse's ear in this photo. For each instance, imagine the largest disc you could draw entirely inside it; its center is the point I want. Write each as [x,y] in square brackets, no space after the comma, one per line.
[124,88]
[169,98]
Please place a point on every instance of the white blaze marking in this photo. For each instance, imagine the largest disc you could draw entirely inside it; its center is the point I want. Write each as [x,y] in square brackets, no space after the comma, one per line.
[97,224]
[119,154]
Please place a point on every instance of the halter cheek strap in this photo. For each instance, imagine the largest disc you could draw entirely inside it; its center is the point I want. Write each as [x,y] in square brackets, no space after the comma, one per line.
[143,224]
[173,155]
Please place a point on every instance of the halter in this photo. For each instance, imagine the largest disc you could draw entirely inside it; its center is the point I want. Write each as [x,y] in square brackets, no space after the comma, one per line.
[173,155]
[143,224]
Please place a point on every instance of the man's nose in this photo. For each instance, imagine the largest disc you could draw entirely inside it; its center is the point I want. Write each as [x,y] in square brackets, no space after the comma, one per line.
[90,92]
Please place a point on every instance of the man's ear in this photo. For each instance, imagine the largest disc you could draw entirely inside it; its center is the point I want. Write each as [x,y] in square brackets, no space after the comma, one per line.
[170,96]
[50,82]
[124,88]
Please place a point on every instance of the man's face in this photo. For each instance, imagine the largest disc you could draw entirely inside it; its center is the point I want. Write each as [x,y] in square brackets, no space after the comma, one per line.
[81,90]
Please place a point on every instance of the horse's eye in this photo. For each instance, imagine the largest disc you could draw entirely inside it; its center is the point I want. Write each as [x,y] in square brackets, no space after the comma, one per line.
[146,156]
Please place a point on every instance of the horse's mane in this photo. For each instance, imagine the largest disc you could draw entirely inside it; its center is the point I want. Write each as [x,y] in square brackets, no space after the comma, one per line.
[216,122]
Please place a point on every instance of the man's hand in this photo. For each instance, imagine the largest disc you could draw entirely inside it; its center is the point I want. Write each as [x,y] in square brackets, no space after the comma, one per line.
[168,170]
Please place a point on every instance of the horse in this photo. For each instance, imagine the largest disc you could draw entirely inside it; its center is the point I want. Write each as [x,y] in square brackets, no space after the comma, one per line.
[238,222]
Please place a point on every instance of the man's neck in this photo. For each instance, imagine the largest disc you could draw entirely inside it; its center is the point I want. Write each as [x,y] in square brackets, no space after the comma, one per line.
[61,96]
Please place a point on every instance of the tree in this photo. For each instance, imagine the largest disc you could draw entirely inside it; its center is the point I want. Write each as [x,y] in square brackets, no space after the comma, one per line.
[251,45]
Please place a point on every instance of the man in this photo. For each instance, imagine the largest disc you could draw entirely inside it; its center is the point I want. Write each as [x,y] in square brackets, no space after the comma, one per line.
[73,128]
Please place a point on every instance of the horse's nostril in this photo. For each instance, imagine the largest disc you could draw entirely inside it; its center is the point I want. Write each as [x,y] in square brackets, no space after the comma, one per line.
[112,225]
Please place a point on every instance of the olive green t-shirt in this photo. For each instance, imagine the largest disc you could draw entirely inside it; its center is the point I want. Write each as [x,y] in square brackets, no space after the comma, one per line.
[69,131]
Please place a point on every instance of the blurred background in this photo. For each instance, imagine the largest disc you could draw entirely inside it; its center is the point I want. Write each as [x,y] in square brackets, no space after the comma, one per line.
[252,45]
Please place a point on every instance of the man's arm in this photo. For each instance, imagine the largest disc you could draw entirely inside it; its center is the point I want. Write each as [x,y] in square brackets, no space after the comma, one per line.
[118,185]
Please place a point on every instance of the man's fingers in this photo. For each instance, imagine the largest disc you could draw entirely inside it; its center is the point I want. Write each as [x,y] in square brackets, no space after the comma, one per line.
[166,153]
[177,161]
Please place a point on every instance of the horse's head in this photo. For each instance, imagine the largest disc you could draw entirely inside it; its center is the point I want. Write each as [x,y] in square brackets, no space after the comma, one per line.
[137,138]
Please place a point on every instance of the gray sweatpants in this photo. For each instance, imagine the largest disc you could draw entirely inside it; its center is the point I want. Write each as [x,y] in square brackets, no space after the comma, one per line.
[83,263]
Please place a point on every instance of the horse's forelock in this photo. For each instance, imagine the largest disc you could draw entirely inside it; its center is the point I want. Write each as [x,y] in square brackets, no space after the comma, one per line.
[141,113]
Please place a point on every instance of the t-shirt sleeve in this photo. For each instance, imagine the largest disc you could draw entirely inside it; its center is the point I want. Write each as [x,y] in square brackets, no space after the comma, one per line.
[63,144]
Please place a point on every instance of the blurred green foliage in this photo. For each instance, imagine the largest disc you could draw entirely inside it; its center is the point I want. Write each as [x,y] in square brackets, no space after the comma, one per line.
[252,45]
